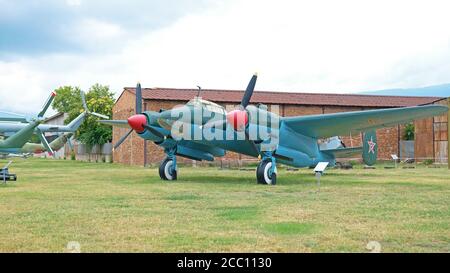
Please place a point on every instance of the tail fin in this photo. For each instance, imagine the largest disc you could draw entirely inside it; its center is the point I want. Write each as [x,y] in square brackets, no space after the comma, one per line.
[370,147]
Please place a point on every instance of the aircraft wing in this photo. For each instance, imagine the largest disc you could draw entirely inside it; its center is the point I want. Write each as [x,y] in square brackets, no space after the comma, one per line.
[329,125]
[7,116]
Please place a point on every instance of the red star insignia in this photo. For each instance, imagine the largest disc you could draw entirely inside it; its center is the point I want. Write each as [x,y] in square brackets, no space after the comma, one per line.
[371,146]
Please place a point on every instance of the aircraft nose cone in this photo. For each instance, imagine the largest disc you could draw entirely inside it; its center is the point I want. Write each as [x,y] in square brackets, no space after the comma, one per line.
[238,119]
[137,122]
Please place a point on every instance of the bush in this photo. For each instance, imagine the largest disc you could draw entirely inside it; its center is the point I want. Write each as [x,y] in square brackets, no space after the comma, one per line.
[72,155]
[409,132]
[428,162]
[352,162]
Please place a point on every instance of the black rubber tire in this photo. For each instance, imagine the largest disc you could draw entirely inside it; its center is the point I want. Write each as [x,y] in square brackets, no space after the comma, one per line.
[260,176]
[162,166]
[175,177]
[162,170]
[259,173]
[274,179]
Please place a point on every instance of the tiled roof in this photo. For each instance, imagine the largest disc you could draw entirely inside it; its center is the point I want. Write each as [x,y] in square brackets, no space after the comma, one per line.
[266,97]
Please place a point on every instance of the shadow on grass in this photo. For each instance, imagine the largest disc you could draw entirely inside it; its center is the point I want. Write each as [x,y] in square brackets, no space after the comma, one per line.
[215,180]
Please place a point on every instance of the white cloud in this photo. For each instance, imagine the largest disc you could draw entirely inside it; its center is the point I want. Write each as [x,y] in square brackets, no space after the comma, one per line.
[73,3]
[93,33]
[327,46]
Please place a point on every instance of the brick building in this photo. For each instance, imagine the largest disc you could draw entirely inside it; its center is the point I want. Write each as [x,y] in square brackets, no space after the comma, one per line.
[431,134]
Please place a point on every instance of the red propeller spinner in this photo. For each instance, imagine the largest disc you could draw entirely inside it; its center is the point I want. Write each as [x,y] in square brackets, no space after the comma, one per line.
[137,122]
[238,119]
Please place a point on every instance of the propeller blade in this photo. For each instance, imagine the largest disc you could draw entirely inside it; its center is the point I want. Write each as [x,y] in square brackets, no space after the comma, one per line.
[122,139]
[83,100]
[153,131]
[45,143]
[7,116]
[249,91]
[47,105]
[117,123]
[255,148]
[138,99]
[98,115]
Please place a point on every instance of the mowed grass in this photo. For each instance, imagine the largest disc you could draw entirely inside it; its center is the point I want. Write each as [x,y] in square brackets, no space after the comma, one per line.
[115,208]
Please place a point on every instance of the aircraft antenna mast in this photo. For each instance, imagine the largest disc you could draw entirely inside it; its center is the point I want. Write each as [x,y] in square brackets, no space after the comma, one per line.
[199,90]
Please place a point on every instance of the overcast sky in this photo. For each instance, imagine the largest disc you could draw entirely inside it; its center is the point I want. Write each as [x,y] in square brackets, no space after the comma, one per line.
[305,46]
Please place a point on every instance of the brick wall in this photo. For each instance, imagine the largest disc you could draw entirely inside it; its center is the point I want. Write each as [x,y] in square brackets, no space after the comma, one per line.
[130,152]
[133,149]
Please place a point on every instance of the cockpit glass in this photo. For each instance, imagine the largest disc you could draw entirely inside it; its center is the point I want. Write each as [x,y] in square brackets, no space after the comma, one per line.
[210,106]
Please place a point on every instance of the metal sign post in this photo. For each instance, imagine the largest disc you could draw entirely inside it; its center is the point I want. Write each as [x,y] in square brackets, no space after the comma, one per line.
[395,158]
[319,170]
[318,175]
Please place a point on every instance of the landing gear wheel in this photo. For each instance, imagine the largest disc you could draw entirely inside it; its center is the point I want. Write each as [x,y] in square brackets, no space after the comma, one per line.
[165,170]
[264,174]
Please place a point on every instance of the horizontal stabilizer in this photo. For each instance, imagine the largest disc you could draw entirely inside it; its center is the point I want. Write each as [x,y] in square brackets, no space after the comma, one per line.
[344,152]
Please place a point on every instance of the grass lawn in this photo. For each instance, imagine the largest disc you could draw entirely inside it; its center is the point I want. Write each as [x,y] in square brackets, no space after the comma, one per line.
[115,208]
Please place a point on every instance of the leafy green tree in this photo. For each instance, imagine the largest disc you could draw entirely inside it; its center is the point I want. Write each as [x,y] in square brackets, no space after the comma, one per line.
[409,132]
[68,101]
[99,99]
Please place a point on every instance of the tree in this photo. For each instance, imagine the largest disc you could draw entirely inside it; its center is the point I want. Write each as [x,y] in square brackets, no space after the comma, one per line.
[98,99]
[68,101]
[409,132]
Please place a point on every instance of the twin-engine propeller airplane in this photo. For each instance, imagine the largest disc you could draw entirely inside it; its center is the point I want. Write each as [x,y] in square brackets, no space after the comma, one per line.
[202,130]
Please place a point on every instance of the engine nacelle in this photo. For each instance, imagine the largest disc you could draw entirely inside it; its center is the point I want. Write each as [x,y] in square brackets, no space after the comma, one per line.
[293,157]
[194,154]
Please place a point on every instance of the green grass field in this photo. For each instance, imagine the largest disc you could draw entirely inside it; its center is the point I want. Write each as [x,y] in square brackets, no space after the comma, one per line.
[114,208]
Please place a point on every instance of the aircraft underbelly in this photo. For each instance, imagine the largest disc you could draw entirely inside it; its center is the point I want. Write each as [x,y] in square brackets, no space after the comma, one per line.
[238,146]
[9,150]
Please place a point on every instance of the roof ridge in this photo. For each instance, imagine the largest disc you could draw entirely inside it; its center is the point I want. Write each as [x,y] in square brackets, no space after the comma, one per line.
[283,92]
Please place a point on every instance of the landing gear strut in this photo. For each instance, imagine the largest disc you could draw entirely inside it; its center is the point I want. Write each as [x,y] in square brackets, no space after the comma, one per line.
[266,172]
[168,168]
